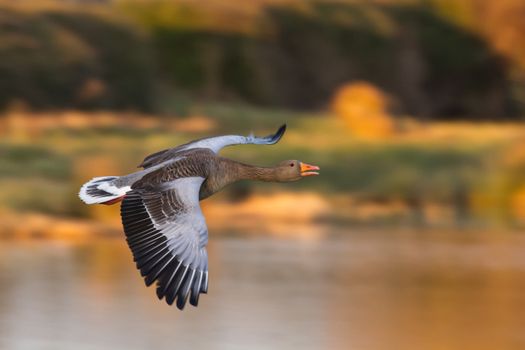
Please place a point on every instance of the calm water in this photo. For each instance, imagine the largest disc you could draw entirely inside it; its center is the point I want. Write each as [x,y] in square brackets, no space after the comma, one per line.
[355,291]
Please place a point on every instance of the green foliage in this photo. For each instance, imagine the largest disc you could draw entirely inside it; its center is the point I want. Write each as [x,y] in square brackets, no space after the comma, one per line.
[54,58]
[298,57]
[289,56]
[34,178]
[180,56]
[401,171]
[458,60]
[236,70]
[33,161]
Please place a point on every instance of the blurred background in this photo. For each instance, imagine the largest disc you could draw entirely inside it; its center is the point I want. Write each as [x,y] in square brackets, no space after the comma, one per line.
[410,238]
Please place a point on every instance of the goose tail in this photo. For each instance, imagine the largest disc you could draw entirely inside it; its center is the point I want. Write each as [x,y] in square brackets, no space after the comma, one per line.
[103,190]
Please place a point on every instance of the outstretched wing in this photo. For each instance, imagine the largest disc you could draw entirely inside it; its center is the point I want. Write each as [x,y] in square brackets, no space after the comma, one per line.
[219,142]
[167,234]
[215,144]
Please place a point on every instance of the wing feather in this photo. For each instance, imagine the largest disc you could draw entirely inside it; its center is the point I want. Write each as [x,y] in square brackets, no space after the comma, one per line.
[167,234]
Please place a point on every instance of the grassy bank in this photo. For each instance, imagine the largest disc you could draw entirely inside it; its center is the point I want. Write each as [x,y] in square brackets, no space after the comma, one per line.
[444,173]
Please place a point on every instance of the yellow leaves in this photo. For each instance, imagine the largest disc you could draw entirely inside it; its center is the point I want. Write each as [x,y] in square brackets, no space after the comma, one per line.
[365,110]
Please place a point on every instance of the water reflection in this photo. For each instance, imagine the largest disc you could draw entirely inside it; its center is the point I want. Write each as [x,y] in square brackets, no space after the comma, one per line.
[353,291]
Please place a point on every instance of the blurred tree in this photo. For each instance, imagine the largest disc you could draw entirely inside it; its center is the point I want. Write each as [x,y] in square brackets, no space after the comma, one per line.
[436,58]
[64,58]
[297,56]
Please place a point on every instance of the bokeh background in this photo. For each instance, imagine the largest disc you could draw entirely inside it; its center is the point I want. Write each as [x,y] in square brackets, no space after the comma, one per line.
[410,238]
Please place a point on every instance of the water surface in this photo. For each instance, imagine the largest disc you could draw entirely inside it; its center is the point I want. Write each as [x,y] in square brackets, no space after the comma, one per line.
[352,291]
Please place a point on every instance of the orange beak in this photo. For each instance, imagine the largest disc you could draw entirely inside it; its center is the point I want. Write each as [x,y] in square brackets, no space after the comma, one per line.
[306,169]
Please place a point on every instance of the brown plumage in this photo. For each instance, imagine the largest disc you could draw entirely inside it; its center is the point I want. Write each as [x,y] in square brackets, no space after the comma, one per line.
[162,220]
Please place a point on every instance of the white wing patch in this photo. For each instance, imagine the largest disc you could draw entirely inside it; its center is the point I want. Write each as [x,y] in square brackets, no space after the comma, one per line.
[105,188]
[101,189]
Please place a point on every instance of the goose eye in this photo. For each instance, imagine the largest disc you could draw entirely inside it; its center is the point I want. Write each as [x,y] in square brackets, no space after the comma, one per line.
[291,164]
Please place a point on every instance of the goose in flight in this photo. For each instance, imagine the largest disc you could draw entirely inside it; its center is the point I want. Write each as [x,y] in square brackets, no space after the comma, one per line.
[163,222]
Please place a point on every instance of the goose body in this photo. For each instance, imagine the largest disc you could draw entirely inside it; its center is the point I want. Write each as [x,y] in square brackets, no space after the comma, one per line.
[162,219]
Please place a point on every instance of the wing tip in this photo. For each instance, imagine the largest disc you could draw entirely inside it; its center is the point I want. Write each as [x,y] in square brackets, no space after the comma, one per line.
[186,293]
[278,135]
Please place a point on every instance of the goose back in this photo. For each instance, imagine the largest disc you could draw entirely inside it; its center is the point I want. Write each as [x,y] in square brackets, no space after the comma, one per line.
[190,163]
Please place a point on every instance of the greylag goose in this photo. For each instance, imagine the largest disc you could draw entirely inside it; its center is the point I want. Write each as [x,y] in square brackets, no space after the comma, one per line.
[163,222]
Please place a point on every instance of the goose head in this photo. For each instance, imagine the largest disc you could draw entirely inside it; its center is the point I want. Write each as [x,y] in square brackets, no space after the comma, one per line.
[293,170]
